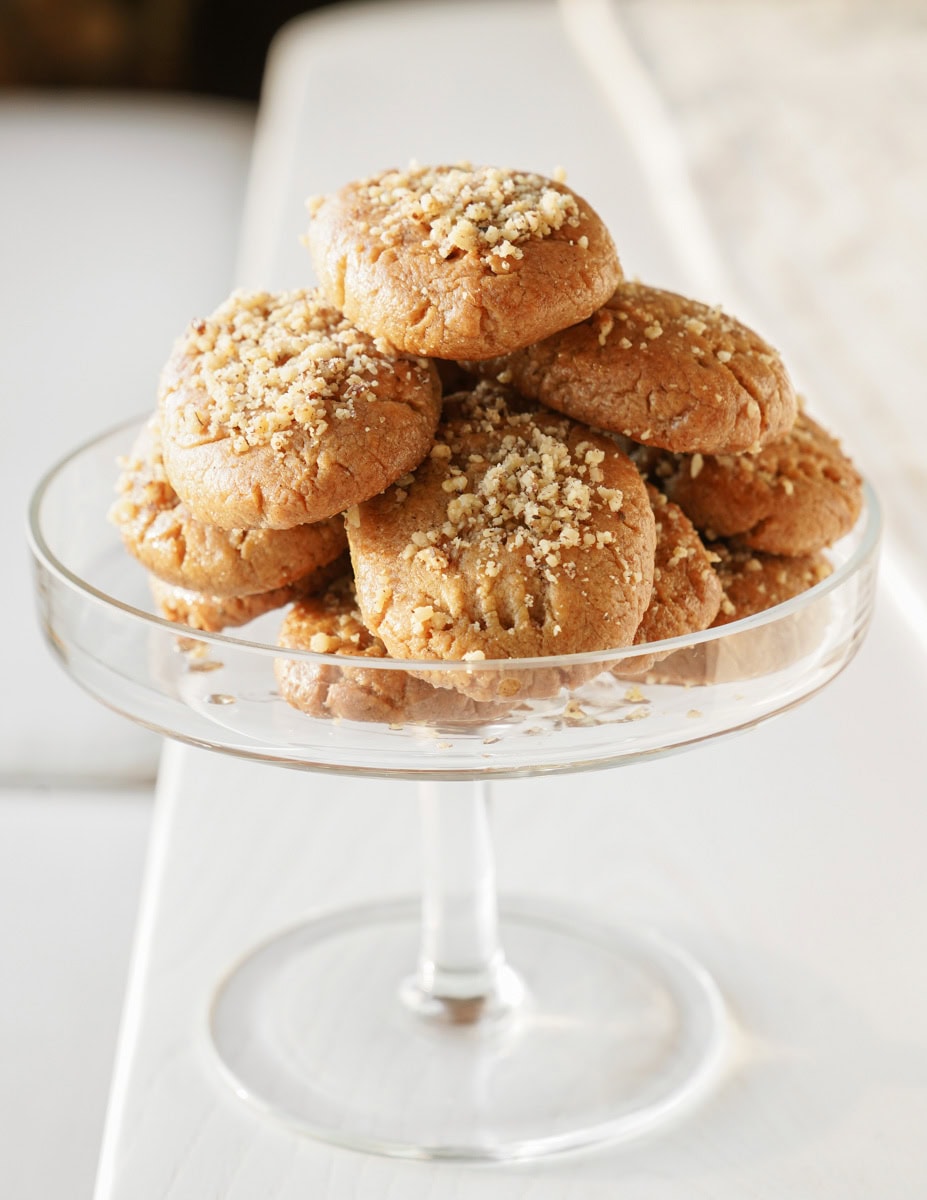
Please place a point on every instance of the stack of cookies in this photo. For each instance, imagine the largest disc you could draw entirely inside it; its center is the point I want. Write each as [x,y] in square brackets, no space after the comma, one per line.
[474,441]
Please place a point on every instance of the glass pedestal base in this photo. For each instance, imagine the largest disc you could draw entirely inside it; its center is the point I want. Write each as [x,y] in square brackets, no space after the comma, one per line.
[599,1033]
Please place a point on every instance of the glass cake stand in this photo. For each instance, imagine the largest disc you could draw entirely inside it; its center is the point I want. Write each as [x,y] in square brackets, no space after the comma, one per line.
[405,1028]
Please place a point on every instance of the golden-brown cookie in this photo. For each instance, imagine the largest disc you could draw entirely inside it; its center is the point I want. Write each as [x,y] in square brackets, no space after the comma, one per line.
[796,495]
[331,624]
[754,582]
[660,369]
[275,411]
[686,592]
[160,531]
[461,261]
[522,534]
[212,614]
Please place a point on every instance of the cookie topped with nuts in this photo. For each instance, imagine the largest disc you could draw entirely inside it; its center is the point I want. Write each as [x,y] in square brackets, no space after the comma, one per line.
[662,370]
[330,623]
[159,530]
[552,503]
[212,614]
[276,411]
[686,592]
[796,495]
[754,582]
[461,262]
[521,534]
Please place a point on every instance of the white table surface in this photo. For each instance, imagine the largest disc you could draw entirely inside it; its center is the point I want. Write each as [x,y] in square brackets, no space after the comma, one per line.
[71,865]
[789,860]
[790,865]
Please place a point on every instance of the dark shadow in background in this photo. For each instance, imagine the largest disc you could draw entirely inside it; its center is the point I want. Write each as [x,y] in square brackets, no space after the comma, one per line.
[215,47]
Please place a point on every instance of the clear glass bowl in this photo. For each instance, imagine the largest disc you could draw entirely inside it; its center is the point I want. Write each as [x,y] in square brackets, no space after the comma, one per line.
[220,690]
[597,1032]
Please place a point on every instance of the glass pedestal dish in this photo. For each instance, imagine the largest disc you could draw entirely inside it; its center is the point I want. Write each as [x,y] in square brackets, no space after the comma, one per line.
[447,1026]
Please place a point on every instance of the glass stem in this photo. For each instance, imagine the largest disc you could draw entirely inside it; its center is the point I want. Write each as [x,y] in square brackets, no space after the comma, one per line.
[461,971]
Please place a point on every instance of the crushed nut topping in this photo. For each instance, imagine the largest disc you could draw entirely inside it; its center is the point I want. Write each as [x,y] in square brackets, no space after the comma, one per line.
[268,363]
[464,209]
[529,491]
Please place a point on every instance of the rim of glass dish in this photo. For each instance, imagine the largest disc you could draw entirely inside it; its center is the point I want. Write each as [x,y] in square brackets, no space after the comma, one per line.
[871,515]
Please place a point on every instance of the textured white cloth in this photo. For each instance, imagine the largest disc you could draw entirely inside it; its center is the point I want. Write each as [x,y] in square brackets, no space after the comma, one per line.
[803,125]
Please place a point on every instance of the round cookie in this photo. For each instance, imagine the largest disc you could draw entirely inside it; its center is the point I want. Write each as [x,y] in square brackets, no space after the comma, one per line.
[686,592]
[522,534]
[796,495]
[660,369]
[461,261]
[275,411]
[160,531]
[331,624]
[212,614]
[754,582]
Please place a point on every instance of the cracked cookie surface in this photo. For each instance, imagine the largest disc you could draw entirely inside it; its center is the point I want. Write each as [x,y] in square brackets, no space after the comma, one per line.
[660,369]
[459,261]
[275,411]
